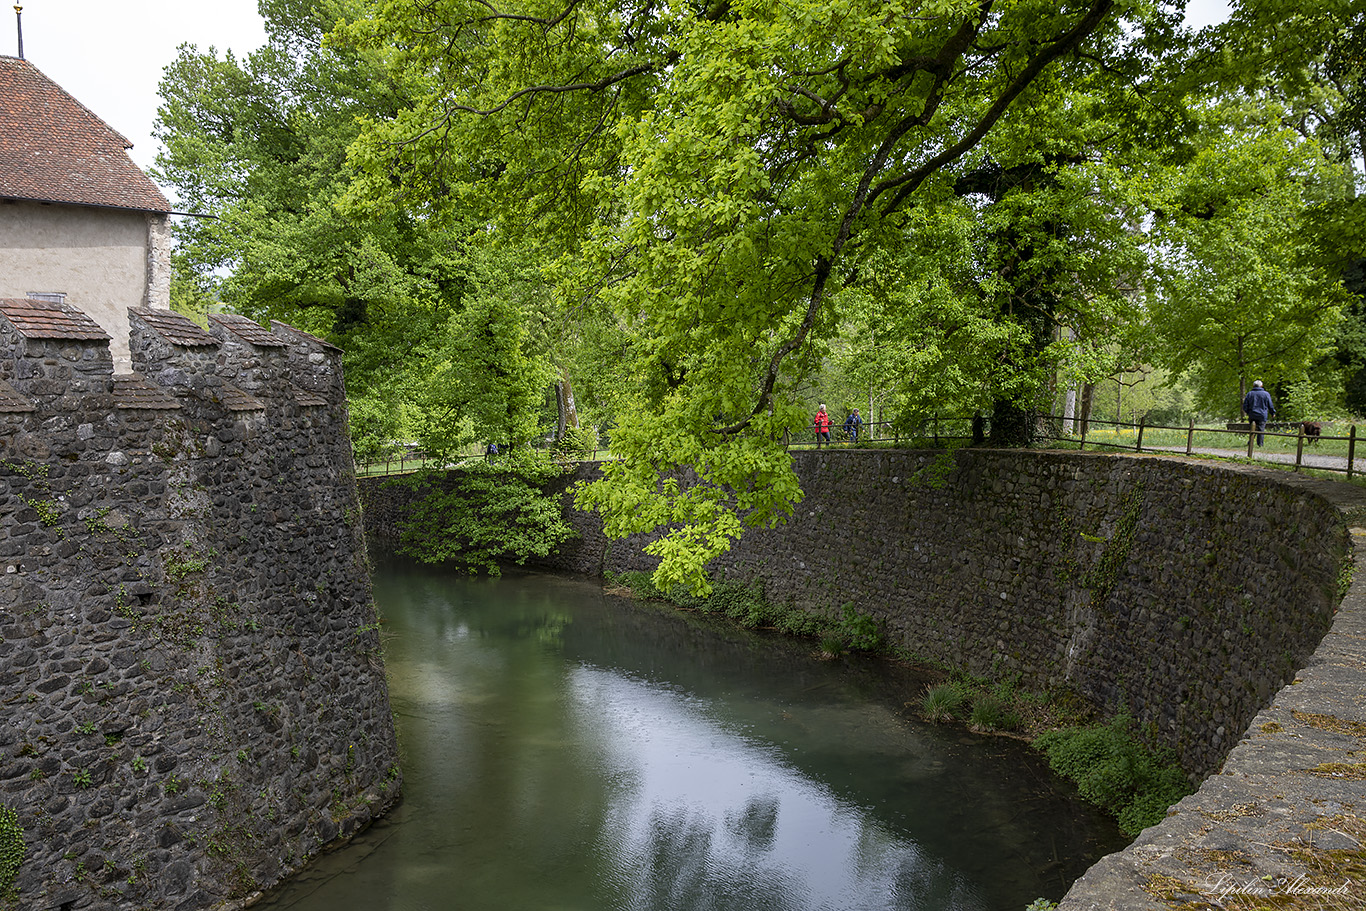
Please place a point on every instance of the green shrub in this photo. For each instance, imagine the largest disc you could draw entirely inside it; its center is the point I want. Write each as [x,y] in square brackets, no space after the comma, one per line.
[491,512]
[942,702]
[1115,771]
[833,645]
[861,631]
[992,713]
[579,441]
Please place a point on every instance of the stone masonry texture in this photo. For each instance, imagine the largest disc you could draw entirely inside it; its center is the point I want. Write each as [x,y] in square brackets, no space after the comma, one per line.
[1205,600]
[194,698]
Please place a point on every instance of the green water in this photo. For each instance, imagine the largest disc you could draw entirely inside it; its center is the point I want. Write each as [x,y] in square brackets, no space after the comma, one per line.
[565,749]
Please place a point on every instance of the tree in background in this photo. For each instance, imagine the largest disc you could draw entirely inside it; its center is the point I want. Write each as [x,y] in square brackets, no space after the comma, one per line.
[259,145]
[1299,65]
[1239,298]
[714,175]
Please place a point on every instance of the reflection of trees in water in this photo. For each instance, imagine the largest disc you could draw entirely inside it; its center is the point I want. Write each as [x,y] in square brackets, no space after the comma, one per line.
[678,867]
[521,769]
[756,825]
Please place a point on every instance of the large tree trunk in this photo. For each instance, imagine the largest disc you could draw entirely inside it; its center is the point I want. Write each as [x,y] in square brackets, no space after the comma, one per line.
[568,414]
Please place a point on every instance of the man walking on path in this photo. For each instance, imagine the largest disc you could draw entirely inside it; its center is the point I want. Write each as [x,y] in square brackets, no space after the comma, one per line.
[1257,405]
[852,424]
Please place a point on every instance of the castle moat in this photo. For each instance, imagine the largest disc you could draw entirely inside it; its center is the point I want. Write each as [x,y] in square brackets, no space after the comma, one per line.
[567,749]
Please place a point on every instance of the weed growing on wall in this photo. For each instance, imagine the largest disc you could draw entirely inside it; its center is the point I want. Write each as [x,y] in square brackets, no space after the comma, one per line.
[1116,772]
[11,853]
[936,474]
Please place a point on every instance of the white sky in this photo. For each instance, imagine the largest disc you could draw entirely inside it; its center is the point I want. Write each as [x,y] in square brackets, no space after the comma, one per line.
[110,54]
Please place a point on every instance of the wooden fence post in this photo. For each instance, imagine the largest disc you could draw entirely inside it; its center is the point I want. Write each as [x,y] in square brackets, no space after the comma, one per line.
[1138,445]
[1299,448]
[1351,450]
[1251,435]
[1190,436]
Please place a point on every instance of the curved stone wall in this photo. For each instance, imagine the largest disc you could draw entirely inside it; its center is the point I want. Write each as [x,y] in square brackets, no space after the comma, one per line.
[194,698]
[1154,587]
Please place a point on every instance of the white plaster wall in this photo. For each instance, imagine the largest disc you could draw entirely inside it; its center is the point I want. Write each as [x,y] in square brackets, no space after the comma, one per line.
[103,260]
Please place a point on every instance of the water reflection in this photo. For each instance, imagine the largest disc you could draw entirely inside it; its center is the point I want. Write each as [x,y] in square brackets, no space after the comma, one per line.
[564,750]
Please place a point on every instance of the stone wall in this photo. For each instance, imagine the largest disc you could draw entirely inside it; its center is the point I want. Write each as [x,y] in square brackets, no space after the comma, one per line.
[1184,594]
[195,702]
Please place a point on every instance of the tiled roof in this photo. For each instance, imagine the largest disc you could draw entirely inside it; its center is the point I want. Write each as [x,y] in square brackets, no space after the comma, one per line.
[48,319]
[12,402]
[133,391]
[276,324]
[306,399]
[53,149]
[175,328]
[235,399]
[247,330]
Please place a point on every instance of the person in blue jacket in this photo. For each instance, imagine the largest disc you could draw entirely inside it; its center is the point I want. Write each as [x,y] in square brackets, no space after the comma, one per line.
[1257,405]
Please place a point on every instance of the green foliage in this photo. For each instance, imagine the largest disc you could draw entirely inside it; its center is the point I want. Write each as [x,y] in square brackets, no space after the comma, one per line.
[994,713]
[942,702]
[579,441]
[490,512]
[12,851]
[1240,298]
[744,604]
[1042,904]
[861,631]
[1115,771]
[259,143]
[707,181]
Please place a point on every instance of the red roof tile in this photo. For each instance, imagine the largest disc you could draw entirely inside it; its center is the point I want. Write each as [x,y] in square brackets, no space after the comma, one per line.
[47,319]
[174,327]
[53,149]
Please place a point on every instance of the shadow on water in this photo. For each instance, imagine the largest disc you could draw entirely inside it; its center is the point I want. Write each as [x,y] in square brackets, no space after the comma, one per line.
[566,749]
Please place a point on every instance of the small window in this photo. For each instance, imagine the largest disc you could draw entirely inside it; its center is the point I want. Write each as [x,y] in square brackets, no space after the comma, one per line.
[52,297]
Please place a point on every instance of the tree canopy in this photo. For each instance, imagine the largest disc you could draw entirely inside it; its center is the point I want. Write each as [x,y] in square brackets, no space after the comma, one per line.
[696,220]
[717,175]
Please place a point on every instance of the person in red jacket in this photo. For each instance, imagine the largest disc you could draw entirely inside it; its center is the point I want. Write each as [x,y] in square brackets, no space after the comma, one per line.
[822,427]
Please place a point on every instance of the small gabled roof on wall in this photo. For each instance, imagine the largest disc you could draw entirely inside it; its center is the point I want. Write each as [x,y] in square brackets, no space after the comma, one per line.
[247,330]
[11,402]
[39,319]
[175,327]
[54,150]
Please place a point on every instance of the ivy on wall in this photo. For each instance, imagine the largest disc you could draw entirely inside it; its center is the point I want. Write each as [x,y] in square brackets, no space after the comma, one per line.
[11,853]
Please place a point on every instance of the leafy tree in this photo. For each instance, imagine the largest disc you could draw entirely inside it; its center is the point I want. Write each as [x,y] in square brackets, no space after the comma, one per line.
[486,381]
[258,145]
[716,175]
[1239,294]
